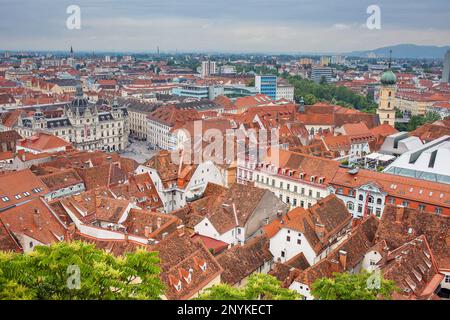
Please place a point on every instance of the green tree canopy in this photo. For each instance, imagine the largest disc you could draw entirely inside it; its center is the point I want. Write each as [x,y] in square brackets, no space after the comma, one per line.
[417,121]
[313,92]
[347,286]
[52,273]
[258,287]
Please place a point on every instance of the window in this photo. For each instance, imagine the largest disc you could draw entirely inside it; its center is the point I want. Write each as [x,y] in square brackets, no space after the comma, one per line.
[294,202]
[405,203]
[288,238]
[5,199]
[421,207]
[295,188]
[370,200]
[318,195]
[310,193]
[288,200]
[17,196]
[379,201]
[350,205]
[447,278]
[438,210]
[281,185]
[378,212]
[299,241]
[391,200]
[361,197]
[282,254]
[359,208]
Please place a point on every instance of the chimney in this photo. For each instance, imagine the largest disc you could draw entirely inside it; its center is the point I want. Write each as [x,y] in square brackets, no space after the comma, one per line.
[37,218]
[71,228]
[158,222]
[319,230]
[334,266]
[147,231]
[399,214]
[343,259]
[180,230]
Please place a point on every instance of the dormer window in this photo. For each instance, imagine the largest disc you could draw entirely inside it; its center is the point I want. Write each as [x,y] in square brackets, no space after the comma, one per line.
[312,178]
[178,286]
[5,199]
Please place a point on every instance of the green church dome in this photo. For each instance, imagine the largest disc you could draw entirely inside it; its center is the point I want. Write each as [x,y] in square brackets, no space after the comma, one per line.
[388,77]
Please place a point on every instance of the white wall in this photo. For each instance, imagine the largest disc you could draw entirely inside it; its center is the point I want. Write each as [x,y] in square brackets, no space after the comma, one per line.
[279,243]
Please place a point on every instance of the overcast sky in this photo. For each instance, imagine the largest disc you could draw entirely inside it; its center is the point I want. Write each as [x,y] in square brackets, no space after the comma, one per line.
[222,25]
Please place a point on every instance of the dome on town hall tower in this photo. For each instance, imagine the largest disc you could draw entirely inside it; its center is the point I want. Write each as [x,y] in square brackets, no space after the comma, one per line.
[388,77]
[79,101]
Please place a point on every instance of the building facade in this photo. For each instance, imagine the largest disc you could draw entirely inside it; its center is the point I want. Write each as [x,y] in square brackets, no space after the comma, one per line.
[267,85]
[83,125]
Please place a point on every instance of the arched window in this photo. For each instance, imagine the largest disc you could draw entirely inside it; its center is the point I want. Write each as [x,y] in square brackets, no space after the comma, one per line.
[370,199]
[390,93]
[389,104]
[350,205]
[379,201]
[361,198]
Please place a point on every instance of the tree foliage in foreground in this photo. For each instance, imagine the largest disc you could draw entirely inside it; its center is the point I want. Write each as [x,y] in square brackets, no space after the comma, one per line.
[48,273]
[258,287]
[347,286]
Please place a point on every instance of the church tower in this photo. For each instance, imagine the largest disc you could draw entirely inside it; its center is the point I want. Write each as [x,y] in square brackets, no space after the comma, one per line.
[386,111]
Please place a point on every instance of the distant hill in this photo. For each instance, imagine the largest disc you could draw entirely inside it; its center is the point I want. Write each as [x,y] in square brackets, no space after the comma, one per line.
[405,51]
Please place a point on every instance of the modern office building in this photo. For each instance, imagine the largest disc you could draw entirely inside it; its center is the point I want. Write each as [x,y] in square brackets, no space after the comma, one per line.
[446,69]
[318,73]
[267,85]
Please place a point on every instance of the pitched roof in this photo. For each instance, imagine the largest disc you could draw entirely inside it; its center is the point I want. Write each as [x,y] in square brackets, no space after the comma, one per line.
[230,209]
[400,225]
[413,269]
[35,220]
[61,179]
[150,224]
[329,213]
[19,186]
[9,136]
[185,263]
[240,261]
[353,248]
